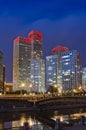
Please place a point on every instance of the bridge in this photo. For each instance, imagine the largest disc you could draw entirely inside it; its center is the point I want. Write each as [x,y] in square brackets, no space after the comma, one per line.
[39,102]
[62,102]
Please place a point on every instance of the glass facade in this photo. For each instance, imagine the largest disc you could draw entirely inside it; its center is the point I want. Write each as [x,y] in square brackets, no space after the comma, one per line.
[36,49]
[21,65]
[84,78]
[2,73]
[27,57]
[38,75]
[71,70]
[51,70]
[64,69]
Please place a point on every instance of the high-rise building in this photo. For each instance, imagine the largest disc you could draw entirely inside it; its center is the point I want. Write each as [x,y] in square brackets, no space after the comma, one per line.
[84,78]
[54,67]
[2,73]
[36,44]
[25,51]
[21,63]
[51,70]
[37,75]
[71,70]
[59,50]
[64,69]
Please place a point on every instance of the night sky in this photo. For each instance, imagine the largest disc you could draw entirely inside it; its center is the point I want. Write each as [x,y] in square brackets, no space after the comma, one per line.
[63,22]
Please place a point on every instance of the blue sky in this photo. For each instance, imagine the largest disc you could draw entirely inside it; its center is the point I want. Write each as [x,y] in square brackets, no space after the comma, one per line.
[63,22]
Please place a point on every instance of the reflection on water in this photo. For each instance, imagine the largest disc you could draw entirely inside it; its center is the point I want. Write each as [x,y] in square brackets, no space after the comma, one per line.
[40,121]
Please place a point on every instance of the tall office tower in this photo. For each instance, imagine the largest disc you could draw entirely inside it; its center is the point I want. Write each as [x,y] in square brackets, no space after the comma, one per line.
[37,63]
[51,70]
[84,78]
[71,70]
[2,73]
[59,50]
[54,67]
[37,75]
[21,63]
[25,51]
[64,69]
[36,42]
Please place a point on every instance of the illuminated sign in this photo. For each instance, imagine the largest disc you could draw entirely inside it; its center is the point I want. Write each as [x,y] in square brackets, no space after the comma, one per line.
[59,48]
[22,39]
[35,35]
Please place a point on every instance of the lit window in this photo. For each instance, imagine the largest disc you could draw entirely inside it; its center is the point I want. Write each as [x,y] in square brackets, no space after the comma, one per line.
[66,56]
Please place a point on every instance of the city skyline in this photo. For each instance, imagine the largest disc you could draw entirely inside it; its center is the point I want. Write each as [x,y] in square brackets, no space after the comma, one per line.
[62,23]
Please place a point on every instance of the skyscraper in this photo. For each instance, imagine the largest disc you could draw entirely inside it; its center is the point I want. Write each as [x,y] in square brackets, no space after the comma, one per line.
[21,63]
[38,75]
[71,70]
[2,73]
[36,44]
[37,67]
[64,68]
[25,51]
[59,50]
[84,78]
[51,70]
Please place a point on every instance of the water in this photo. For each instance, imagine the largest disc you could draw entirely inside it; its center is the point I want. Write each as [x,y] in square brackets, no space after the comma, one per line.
[42,120]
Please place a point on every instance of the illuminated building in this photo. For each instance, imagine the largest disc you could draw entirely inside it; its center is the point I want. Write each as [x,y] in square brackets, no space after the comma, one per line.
[37,68]
[84,78]
[21,63]
[25,50]
[38,75]
[2,73]
[59,50]
[64,69]
[36,44]
[54,67]
[71,70]
[51,70]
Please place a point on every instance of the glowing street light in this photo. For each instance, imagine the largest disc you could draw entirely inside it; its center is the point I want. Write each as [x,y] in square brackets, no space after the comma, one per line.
[55,85]
[74,90]
[80,88]
[22,85]
[30,85]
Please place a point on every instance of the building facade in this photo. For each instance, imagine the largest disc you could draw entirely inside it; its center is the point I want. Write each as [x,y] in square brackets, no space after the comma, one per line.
[21,63]
[64,69]
[51,70]
[37,75]
[2,73]
[25,51]
[36,44]
[71,70]
[84,78]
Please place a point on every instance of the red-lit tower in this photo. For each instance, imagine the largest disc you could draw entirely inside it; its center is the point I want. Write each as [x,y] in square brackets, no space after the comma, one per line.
[57,76]
[37,63]
[58,50]
[25,50]
[21,62]
[36,41]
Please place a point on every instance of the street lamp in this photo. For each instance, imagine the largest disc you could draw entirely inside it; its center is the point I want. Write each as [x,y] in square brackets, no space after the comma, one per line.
[22,85]
[55,85]
[30,85]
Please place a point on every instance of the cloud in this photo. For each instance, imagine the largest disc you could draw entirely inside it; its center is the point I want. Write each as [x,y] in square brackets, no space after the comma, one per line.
[69,31]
